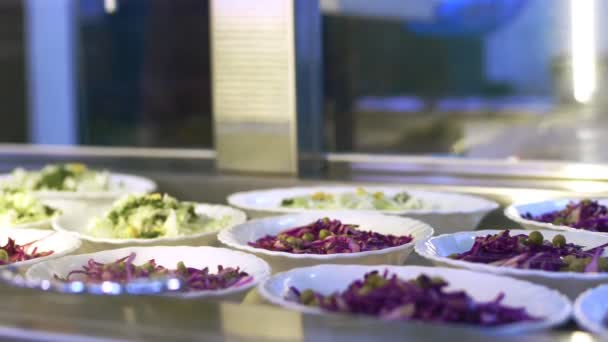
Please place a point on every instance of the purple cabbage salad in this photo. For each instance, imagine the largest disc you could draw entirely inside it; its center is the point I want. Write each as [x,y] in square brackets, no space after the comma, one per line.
[123,270]
[327,236]
[13,252]
[535,253]
[424,298]
[586,214]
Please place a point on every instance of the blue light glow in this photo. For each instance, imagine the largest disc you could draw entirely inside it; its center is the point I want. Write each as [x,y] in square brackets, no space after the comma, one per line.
[76,287]
[469,17]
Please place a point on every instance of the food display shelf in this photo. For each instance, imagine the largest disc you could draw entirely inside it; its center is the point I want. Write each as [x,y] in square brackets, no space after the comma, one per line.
[30,314]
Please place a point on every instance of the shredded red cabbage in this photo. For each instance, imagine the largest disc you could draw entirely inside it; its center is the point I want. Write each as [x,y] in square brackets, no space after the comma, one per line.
[534,252]
[12,252]
[586,214]
[326,236]
[424,298]
[123,270]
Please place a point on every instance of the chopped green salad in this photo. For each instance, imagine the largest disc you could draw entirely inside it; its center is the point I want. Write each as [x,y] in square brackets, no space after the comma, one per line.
[20,208]
[59,177]
[360,199]
[152,216]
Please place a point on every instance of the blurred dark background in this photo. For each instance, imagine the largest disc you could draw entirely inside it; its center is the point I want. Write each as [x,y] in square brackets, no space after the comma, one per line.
[482,78]
[145,74]
[13,101]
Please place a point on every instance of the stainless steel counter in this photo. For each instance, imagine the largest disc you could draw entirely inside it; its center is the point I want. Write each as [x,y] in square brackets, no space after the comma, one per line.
[28,314]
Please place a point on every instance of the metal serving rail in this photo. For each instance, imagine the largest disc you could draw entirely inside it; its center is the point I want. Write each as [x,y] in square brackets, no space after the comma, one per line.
[31,314]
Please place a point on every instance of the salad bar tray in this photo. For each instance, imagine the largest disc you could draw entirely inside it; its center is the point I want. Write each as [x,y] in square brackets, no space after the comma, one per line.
[33,309]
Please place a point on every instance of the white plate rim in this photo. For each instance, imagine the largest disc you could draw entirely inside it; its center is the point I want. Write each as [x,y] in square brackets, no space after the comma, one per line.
[580,315]
[237,217]
[226,237]
[47,222]
[422,248]
[148,184]
[237,199]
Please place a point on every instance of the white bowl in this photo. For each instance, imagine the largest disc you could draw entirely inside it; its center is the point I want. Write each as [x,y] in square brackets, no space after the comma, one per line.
[437,248]
[166,256]
[41,224]
[120,184]
[46,240]
[77,219]
[538,300]
[449,212]
[590,309]
[516,211]
[239,236]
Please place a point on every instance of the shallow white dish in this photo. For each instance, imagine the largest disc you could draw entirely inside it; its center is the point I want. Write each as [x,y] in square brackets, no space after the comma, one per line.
[437,248]
[239,236]
[538,300]
[591,308]
[120,184]
[46,240]
[516,211]
[42,224]
[166,256]
[449,212]
[77,219]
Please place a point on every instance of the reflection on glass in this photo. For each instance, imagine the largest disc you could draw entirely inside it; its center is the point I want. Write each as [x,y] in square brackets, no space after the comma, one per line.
[144,73]
[110,6]
[583,48]
[13,110]
[474,78]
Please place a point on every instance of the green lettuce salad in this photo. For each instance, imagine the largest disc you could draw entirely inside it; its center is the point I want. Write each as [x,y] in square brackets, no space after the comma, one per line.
[153,216]
[18,208]
[360,199]
[72,177]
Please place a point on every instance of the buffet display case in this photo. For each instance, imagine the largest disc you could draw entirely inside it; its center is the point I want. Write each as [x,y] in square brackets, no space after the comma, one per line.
[56,314]
[180,137]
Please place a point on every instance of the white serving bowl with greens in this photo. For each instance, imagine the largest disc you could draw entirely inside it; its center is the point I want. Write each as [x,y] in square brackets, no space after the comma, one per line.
[74,181]
[22,210]
[153,219]
[446,212]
